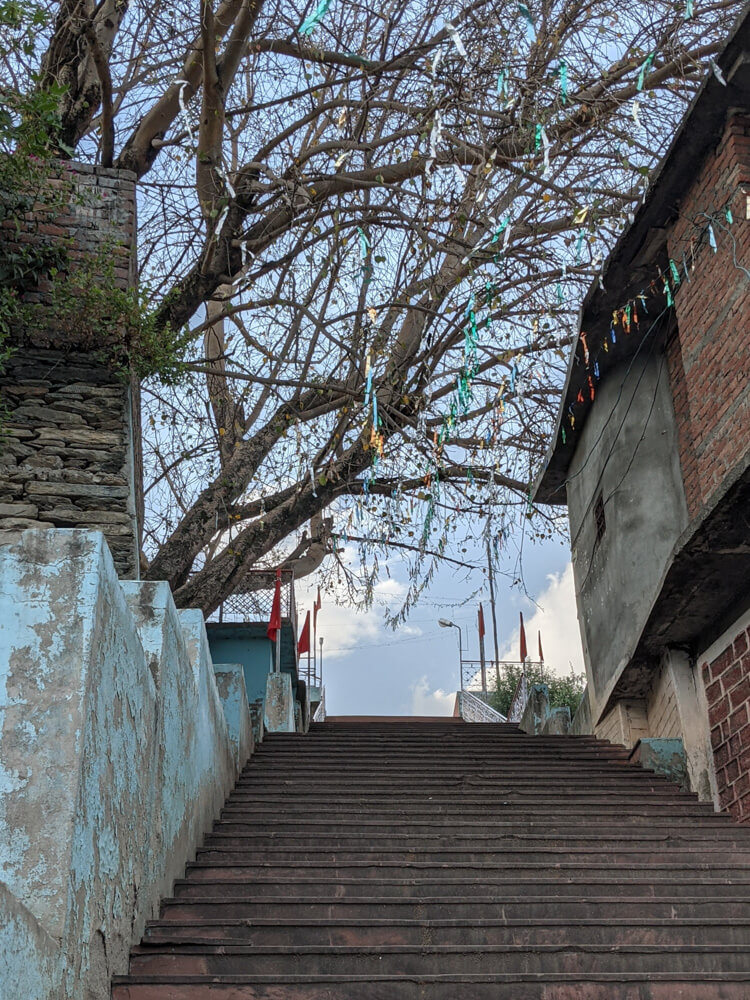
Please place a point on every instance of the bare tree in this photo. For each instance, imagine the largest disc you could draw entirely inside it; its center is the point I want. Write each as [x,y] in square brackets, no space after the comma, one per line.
[378,223]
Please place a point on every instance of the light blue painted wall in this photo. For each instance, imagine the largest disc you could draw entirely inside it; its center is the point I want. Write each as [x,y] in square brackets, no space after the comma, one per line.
[115,757]
[247,643]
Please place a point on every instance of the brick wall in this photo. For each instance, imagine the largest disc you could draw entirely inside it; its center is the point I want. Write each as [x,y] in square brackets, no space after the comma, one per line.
[709,358]
[727,682]
[663,714]
[625,724]
[70,447]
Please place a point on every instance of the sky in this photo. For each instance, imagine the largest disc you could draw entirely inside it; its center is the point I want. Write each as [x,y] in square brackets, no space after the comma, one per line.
[370,669]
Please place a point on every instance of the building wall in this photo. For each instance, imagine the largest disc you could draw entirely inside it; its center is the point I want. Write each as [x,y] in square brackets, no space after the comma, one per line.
[725,668]
[628,452]
[661,707]
[115,758]
[709,359]
[70,448]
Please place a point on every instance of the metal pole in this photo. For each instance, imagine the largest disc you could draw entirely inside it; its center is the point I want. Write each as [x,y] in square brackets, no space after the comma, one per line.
[315,651]
[321,660]
[278,652]
[460,656]
[491,576]
[308,659]
[482,663]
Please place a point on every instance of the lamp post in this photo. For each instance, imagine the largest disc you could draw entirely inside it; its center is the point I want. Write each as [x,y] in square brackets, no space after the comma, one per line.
[444,623]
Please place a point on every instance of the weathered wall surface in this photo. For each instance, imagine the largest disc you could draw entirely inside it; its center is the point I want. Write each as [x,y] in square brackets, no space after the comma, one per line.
[628,453]
[69,456]
[725,669]
[709,359]
[29,956]
[114,752]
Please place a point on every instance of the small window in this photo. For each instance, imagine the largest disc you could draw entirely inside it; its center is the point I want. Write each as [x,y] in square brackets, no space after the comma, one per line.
[599,518]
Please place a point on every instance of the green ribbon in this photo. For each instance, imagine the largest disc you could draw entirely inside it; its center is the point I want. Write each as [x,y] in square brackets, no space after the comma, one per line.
[524,11]
[648,63]
[310,23]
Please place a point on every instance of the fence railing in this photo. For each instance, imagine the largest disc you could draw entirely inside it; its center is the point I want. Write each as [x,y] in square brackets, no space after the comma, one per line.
[254,602]
[519,699]
[473,709]
[320,711]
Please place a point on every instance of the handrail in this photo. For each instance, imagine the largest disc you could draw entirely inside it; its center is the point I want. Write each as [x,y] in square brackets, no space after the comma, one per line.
[519,699]
[473,709]
[320,711]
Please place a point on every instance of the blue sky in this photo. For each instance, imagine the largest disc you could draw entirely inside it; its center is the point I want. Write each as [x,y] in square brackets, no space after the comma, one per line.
[369,669]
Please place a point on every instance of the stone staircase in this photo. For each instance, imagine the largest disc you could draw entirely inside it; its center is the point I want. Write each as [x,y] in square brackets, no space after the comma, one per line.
[440,860]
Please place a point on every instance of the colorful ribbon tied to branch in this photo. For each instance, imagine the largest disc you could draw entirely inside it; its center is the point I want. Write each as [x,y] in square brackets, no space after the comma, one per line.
[524,11]
[313,20]
[647,64]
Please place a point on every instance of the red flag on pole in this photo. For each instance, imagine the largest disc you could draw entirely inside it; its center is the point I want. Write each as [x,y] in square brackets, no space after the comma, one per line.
[524,650]
[316,607]
[303,646]
[541,654]
[274,623]
[480,619]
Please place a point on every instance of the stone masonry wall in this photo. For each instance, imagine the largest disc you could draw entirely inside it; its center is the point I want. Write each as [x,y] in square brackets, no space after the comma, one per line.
[727,680]
[709,359]
[69,443]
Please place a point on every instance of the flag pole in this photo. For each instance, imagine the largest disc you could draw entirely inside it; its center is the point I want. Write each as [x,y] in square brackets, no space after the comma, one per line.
[315,637]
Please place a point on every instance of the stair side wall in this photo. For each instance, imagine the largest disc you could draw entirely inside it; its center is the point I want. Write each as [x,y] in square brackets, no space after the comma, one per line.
[115,758]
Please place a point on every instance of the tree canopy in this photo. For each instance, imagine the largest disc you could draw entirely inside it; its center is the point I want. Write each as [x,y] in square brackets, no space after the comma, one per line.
[377,222]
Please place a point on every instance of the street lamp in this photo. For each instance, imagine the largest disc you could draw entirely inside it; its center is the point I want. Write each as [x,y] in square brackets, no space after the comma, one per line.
[444,623]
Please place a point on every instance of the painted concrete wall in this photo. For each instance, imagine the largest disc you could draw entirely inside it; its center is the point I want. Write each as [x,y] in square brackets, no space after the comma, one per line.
[628,451]
[115,757]
[244,643]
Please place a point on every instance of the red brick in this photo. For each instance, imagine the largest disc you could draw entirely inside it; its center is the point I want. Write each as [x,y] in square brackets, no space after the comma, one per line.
[732,771]
[718,712]
[731,676]
[738,719]
[719,665]
[721,755]
[741,693]
[713,692]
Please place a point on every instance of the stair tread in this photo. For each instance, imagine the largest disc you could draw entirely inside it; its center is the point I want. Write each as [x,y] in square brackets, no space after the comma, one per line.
[406,855]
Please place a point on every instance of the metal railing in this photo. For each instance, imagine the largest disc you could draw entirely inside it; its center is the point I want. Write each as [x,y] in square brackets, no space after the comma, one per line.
[473,709]
[519,699]
[320,711]
[254,602]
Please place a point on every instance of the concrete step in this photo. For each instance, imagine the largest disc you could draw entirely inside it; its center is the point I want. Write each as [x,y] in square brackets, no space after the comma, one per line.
[527,906]
[632,825]
[571,884]
[489,858]
[500,868]
[374,932]
[223,960]
[630,986]
[707,839]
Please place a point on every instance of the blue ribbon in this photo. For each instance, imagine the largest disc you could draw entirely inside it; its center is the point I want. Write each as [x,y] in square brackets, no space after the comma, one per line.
[310,23]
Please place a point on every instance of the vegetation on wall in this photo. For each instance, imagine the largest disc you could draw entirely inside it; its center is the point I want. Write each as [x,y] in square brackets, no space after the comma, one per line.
[563,689]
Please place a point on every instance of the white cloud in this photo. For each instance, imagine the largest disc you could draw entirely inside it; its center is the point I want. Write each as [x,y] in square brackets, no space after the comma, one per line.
[426,702]
[343,628]
[557,620]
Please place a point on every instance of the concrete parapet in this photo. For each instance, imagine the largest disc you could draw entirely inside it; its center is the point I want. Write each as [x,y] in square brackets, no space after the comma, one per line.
[115,757]
[230,681]
[278,709]
[664,756]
